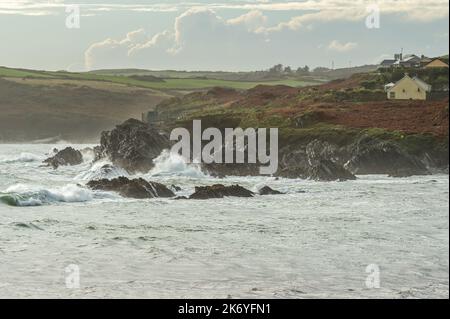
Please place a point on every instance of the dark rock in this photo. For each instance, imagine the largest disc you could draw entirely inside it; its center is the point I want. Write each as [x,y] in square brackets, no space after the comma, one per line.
[68,156]
[107,169]
[132,145]
[371,156]
[266,190]
[135,188]
[327,170]
[175,188]
[317,160]
[405,172]
[180,197]
[236,169]
[220,191]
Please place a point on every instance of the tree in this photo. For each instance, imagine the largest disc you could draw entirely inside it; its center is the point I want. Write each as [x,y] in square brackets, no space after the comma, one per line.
[321,69]
[303,71]
[276,69]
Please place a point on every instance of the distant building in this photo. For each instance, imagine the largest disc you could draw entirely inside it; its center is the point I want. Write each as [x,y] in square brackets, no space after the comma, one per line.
[436,63]
[408,61]
[424,60]
[405,61]
[408,88]
[150,117]
[387,63]
[388,86]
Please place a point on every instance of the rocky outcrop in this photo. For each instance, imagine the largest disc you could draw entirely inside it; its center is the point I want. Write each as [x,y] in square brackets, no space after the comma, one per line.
[132,188]
[132,145]
[68,156]
[266,190]
[327,170]
[320,161]
[220,191]
[371,156]
[175,188]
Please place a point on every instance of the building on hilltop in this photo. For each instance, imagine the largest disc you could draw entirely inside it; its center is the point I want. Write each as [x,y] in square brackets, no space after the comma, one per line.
[436,63]
[406,61]
[387,63]
[408,88]
[150,117]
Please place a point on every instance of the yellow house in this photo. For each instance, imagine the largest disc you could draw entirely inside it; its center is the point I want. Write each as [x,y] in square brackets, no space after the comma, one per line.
[409,88]
[436,63]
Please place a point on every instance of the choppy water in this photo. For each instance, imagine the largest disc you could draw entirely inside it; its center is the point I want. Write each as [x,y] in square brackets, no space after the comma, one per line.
[315,241]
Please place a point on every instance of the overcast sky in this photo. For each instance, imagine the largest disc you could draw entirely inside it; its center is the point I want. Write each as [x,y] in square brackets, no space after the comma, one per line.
[217,34]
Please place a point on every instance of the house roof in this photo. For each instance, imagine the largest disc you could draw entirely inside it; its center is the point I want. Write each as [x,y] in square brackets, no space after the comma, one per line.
[438,61]
[410,58]
[387,62]
[423,85]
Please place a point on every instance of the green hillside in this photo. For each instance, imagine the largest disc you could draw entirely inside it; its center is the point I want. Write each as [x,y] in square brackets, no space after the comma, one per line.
[170,83]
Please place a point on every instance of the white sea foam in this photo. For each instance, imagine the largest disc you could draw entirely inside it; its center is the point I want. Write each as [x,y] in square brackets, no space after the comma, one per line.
[22,158]
[29,195]
[171,164]
[101,170]
[310,244]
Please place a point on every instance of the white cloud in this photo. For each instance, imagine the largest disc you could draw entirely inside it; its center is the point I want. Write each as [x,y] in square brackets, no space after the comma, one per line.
[335,45]
[306,20]
[199,37]
[253,20]
[416,10]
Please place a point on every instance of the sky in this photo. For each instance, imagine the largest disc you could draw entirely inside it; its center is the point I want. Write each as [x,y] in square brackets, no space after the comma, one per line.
[234,35]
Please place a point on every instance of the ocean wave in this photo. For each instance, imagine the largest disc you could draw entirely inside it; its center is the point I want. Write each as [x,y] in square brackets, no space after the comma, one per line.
[25,195]
[22,158]
[172,164]
[101,170]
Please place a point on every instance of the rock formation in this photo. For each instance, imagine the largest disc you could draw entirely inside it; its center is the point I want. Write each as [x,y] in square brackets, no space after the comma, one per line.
[68,156]
[132,188]
[220,191]
[132,145]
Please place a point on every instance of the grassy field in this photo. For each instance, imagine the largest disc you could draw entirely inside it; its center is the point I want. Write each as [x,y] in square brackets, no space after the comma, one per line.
[166,84]
[78,106]
[19,73]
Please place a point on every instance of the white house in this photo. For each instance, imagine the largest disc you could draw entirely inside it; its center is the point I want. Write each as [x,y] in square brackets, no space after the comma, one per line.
[408,88]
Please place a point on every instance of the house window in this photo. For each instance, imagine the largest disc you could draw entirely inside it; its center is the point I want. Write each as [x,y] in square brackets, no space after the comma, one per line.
[392,95]
[418,89]
[404,91]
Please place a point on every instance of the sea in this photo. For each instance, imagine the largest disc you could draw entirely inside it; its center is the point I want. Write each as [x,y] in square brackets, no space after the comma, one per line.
[375,237]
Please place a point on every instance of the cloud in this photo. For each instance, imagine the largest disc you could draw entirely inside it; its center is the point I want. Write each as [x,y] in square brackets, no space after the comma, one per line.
[254,20]
[415,10]
[307,20]
[199,37]
[335,45]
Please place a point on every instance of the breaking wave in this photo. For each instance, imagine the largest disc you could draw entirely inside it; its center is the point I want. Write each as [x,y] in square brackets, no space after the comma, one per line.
[172,164]
[24,195]
[101,170]
[22,158]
